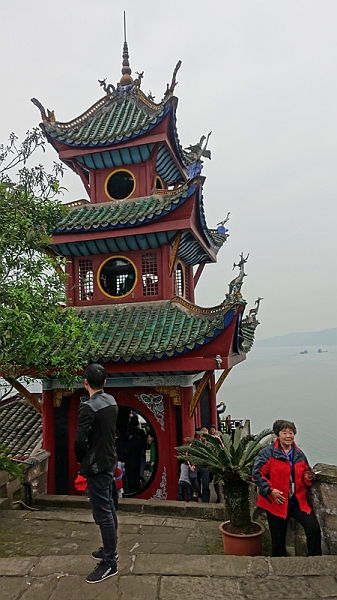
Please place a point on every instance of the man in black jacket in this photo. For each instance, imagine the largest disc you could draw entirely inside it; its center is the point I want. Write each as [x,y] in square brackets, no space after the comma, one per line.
[95,451]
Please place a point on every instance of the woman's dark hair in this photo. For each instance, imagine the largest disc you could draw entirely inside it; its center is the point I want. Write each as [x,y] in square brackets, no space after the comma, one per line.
[280,424]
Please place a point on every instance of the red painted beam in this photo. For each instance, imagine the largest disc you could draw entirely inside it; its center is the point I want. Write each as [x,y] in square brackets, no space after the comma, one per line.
[48,433]
[212,403]
[198,274]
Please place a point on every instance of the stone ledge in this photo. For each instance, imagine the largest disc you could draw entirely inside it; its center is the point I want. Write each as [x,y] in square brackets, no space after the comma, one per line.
[192,510]
[315,569]
[328,473]
[6,503]
[4,478]
[59,501]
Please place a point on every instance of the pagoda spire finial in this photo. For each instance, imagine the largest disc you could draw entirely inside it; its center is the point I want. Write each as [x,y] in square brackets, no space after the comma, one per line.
[126,78]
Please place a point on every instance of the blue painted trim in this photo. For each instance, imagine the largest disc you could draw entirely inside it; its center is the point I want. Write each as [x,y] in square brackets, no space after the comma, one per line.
[116,158]
[122,244]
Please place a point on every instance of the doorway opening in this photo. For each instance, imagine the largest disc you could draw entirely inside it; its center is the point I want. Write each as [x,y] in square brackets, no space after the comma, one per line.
[137,450]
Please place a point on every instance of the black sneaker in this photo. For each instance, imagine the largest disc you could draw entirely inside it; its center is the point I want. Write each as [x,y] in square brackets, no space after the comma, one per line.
[101,572]
[98,555]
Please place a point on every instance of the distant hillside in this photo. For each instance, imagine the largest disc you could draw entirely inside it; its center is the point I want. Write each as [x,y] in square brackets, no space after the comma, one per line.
[327,337]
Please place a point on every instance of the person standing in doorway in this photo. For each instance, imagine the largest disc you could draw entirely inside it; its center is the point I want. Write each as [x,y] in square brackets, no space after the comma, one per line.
[221,408]
[133,451]
[282,474]
[205,476]
[217,486]
[151,444]
[95,451]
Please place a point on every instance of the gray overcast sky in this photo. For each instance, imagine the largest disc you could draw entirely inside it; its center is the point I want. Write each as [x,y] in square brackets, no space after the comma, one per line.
[261,74]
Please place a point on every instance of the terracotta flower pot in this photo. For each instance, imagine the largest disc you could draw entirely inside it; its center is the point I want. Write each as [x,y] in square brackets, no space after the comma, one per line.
[242,545]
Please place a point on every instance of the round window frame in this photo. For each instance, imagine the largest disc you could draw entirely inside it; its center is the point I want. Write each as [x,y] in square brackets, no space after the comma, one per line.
[99,274]
[162,188]
[108,179]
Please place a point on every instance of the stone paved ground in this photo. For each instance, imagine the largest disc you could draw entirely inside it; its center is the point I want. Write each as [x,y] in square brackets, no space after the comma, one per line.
[46,555]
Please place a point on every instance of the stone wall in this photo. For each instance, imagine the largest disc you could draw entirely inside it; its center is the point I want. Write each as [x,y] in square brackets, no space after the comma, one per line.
[35,474]
[323,496]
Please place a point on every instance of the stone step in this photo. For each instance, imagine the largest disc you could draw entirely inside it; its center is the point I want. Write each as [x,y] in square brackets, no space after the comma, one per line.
[197,510]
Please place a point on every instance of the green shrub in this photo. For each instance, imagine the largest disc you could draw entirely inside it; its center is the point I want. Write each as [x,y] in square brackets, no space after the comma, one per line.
[7,464]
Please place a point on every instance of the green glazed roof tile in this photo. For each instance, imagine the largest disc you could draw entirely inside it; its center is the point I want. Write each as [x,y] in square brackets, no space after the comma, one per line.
[109,120]
[218,238]
[116,214]
[248,327]
[143,331]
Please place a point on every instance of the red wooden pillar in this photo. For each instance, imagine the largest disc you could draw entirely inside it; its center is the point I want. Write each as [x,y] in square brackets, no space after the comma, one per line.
[70,270]
[187,422]
[170,452]
[73,404]
[212,402]
[190,283]
[48,436]
[167,282]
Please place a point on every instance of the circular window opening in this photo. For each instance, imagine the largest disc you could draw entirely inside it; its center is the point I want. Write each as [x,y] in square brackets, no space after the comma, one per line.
[120,185]
[117,277]
[137,448]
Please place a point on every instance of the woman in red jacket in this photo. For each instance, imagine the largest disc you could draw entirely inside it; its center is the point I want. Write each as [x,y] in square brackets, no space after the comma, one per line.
[282,474]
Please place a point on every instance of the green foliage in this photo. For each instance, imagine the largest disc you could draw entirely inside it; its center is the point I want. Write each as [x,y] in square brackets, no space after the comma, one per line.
[33,322]
[231,463]
[8,465]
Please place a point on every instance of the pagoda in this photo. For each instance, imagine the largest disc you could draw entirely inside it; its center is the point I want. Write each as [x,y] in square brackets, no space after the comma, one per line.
[135,252]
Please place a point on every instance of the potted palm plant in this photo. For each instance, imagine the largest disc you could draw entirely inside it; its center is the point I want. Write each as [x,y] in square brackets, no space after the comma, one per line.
[231,463]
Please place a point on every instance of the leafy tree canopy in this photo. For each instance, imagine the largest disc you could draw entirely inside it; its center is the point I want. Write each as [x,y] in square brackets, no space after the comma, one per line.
[33,322]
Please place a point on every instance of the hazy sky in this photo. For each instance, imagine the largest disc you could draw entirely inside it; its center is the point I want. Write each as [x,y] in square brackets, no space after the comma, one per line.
[261,74]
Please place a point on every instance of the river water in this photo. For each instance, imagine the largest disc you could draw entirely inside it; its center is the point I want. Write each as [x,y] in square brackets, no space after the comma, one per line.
[276,383]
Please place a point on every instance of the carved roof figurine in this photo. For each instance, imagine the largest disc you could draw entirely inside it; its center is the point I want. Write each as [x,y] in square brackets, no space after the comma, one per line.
[109,89]
[241,262]
[253,311]
[236,283]
[248,326]
[221,226]
[137,81]
[170,88]
[50,117]
[193,154]
[198,150]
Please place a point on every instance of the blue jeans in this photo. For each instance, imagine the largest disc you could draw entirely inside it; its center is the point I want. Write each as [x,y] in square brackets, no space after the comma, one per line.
[103,511]
[183,486]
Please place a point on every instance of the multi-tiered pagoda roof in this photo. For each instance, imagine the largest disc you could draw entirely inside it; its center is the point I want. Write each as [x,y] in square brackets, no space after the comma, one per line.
[126,128]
